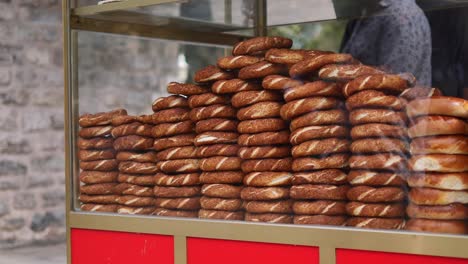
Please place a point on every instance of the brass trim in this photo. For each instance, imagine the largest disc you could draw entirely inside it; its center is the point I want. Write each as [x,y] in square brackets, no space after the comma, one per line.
[123,5]
[218,39]
[322,236]
[260,20]
[180,250]
[327,255]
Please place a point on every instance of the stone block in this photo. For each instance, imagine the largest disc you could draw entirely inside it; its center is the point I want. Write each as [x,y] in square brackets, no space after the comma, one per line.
[38,180]
[6,11]
[48,163]
[52,198]
[5,76]
[9,184]
[41,222]
[48,97]
[4,208]
[14,145]
[13,224]
[24,201]
[8,120]
[12,168]
[18,97]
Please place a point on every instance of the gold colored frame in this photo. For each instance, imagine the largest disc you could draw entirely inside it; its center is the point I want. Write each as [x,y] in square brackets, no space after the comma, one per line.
[328,239]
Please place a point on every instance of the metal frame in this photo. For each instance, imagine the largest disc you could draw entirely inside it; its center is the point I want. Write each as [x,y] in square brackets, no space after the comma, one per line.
[328,239]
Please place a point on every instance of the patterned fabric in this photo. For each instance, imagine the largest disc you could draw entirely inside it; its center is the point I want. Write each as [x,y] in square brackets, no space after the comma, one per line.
[396,38]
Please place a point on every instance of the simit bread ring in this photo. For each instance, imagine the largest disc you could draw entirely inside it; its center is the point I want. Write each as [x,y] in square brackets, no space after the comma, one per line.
[228,177]
[320,118]
[175,213]
[260,110]
[234,86]
[319,191]
[446,181]
[99,165]
[138,179]
[133,143]
[312,64]
[147,210]
[227,150]
[439,163]
[290,56]
[103,208]
[317,132]
[186,89]
[246,98]
[411,94]
[261,125]
[135,128]
[279,82]
[210,138]
[237,62]
[382,82]
[179,166]
[100,119]
[454,211]
[374,99]
[95,143]
[260,44]
[132,189]
[176,192]
[135,201]
[264,138]
[133,167]
[175,141]
[320,207]
[220,204]
[319,220]
[172,101]
[376,223]
[364,116]
[216,124]
[331,176]
[284,164]
[428,196]
[345,73]
[186,152]
[321,146]
[220,163]
[123,119]
[89,155]
[264,193]
[212,111]
[223,215]
[437,125]
[98,189]
[335,161]
[269,218]
[317,88]
[221,190]
[264,152]
[92,177]
[438,105]
[378,130]
[262,69]
[384,161]
[440,145]
[98,199]
[375,209]
[267,179]
[302,106]
[376,145]
[172,115]
[375,178]
[206,99]
[96,131]
[172,129]
[437,226]
[188,179]
[149,156]
[376,195]
[185,203]
[279,206]
[145,119]
[212,73]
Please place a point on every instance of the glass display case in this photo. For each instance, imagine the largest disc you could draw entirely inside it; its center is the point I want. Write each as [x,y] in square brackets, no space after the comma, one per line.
[363,145]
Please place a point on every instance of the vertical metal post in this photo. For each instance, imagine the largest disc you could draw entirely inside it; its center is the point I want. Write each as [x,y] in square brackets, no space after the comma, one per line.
[227,20]
[260,19]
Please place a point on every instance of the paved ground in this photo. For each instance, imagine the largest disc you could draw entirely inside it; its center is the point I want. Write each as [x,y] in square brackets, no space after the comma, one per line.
[54,254]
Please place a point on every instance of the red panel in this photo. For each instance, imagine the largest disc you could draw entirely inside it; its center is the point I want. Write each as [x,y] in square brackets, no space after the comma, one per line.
[98,247]
[213,251]
[348,256]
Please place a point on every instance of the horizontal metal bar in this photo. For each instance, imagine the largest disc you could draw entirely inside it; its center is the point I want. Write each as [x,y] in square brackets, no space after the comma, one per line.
[331,237]
[114,6]
[150,31]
